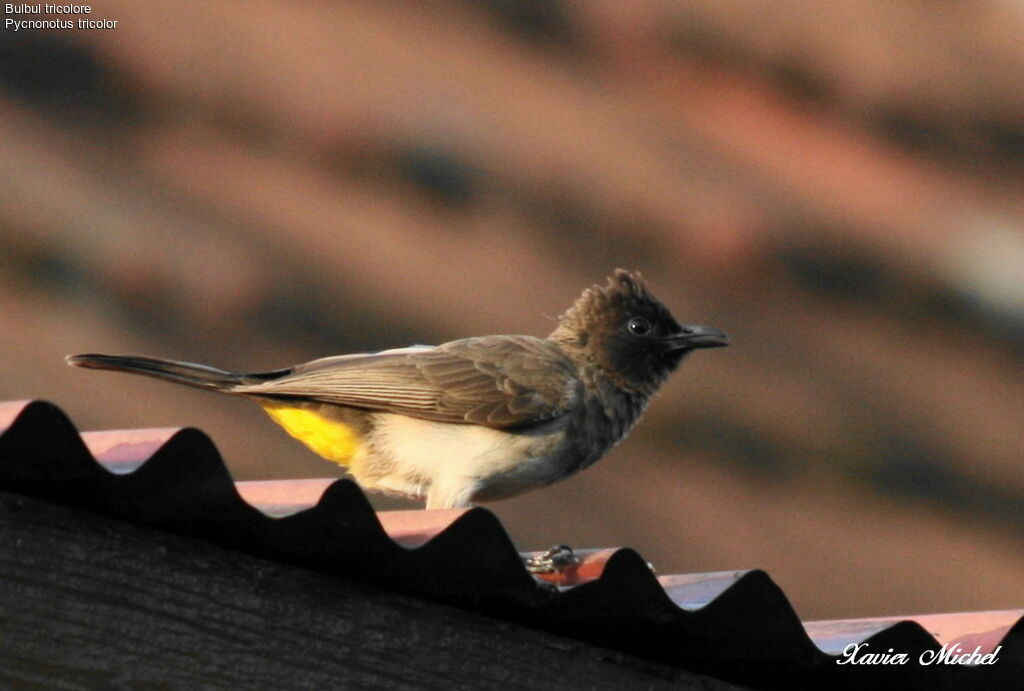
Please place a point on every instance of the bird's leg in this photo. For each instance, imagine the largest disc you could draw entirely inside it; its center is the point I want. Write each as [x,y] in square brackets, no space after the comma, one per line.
[451,493]
[558,558]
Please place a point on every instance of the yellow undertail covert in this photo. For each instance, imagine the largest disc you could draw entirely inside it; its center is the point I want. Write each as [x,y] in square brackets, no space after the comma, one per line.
[332,439]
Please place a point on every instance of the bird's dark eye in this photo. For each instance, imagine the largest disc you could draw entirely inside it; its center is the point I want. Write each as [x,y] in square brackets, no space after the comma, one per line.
[639,326]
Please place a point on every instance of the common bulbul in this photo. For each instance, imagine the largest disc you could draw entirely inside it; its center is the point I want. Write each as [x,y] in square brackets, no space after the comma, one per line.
[476,418]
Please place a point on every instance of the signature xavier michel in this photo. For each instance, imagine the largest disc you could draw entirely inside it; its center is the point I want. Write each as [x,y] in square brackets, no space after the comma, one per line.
[857,654]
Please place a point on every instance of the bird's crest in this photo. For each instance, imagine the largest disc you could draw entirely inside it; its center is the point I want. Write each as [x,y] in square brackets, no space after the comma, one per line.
[623,288]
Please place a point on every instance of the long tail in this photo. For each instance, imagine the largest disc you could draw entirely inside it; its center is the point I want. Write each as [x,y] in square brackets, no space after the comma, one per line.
[200,376]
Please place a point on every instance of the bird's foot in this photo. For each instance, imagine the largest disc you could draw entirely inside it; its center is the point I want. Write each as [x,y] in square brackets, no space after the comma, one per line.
[557,559]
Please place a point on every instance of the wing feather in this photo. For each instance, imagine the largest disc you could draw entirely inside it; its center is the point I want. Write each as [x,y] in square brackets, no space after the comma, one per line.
[497,381]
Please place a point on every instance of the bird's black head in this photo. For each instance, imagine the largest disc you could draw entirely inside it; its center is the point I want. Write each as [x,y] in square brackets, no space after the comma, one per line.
[626,332]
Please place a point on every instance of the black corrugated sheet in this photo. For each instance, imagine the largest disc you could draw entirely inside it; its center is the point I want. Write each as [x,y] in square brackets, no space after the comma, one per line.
[748,633]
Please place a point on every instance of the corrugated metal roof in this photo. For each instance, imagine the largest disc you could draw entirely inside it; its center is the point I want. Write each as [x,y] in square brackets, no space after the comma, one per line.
[735,625]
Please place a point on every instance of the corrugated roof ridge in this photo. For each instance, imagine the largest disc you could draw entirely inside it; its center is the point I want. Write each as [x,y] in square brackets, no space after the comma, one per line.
[184,486]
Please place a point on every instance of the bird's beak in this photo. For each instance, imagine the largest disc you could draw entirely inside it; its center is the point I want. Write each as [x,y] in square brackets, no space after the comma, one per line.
[691,337]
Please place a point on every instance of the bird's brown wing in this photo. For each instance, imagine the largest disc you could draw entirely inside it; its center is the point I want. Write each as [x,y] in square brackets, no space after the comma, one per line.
[496,381]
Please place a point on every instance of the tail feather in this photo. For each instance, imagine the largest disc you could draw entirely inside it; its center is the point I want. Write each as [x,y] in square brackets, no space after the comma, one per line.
[200,376]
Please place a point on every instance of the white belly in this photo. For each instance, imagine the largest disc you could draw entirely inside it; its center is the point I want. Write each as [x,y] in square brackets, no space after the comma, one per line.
[449,463]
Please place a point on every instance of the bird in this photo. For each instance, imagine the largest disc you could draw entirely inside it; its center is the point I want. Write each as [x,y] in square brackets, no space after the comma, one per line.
[474,419]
